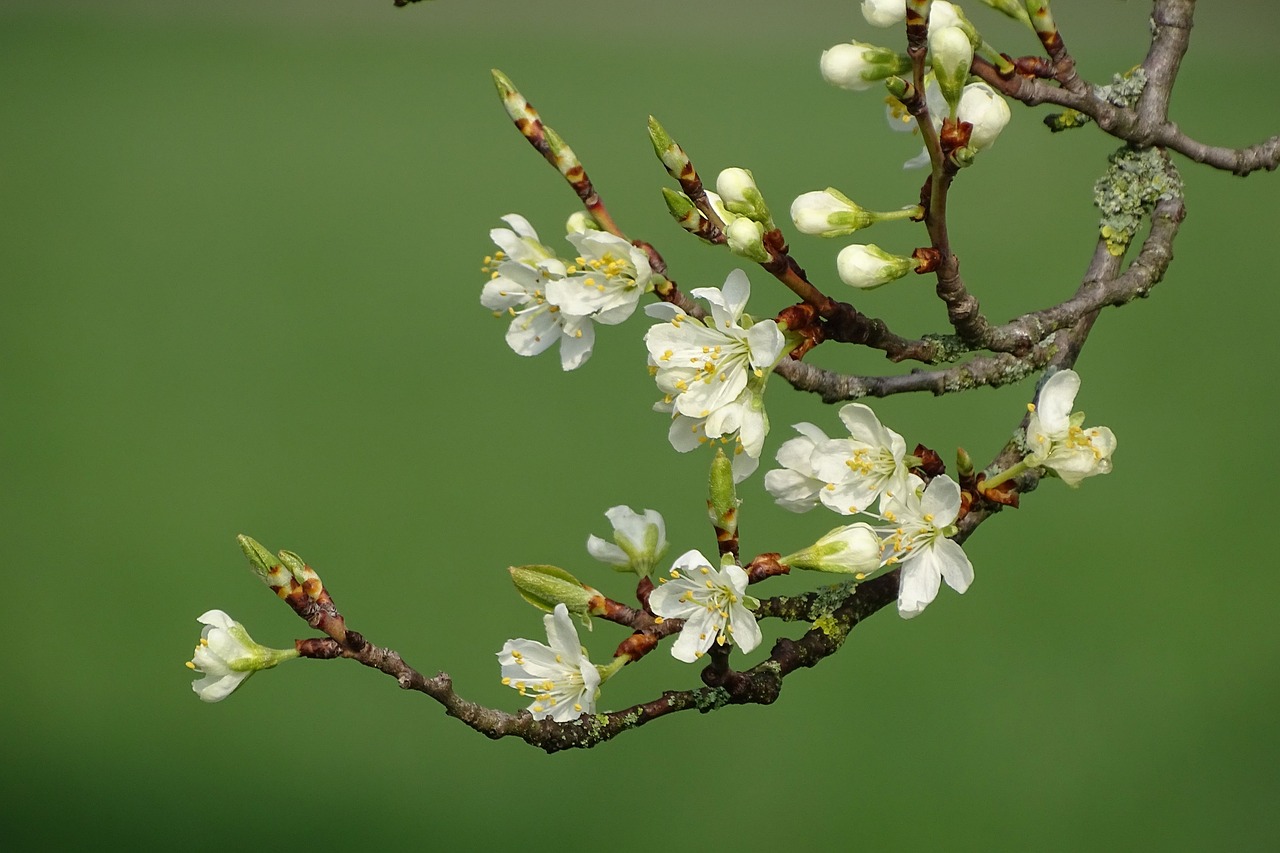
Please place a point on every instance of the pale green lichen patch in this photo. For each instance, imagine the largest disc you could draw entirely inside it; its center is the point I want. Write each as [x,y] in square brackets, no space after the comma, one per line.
[1134,182]
[1125,89]
[710,700]
[831,627]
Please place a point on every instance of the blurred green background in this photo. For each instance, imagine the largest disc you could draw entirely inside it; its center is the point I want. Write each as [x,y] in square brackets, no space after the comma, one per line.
[242,245]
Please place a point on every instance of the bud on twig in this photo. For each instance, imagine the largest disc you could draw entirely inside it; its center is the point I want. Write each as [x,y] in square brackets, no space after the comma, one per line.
[850,550]
[867,267]
[546,586]
[952,58]
[723,503]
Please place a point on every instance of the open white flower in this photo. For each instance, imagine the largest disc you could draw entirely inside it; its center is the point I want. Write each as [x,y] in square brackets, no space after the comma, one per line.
[639,540]
[918,542]
[705,366]
[227,655]
[562,682]
[713,372]
[606,281]
[980,105]
[795,486]
[536,323]
[712,603]
[521,275]
[519,243]
[859,469]
[743,422]
[1056,438]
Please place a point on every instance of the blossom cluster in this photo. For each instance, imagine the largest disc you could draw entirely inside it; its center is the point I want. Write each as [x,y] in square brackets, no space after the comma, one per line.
[869,472]
[550,299]
[712,372]
[560,677]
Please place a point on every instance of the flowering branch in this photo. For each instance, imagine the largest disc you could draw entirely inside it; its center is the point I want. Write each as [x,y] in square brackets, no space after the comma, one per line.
[711,361]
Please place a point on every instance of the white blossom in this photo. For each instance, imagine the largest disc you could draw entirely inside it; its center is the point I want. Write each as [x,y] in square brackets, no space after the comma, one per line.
[796,486]
[639,540]
[605,281]
[917,540]
[712,602]
[559,677]
[1056,438]
[857,470]
[712,372]
[227,655]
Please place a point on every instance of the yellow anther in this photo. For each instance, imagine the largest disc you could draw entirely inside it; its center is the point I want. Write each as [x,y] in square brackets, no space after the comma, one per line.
[191,665]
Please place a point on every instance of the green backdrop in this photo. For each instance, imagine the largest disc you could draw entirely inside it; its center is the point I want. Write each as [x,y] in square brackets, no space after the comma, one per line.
[241,242]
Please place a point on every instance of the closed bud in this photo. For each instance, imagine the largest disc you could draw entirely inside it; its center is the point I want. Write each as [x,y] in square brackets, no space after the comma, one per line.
[850,550]
[869,266]
[673,158]
[746,237]
[579,222]
[828,213]
[265,564]
[856,66]
[546,586]
[884,13]
[952,56]
[682,210]
[722,500]
[738,190]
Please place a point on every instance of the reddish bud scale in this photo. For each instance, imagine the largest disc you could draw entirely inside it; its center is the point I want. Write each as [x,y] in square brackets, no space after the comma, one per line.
[954,135]
[804,320]
[765,566]
[927,259]
[1005,494]
[319,648]
[637,646]
[643,590]
[931,464]
[1033,66]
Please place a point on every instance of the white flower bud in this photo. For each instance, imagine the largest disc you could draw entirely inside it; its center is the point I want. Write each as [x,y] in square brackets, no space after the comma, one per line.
[853,549]
[738,190]
[746,238]
[952,56]
[856,66]
[943,14]
[869,266]
[580,222]
[828,213]
[735,185]
[884,13]
[982,107]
